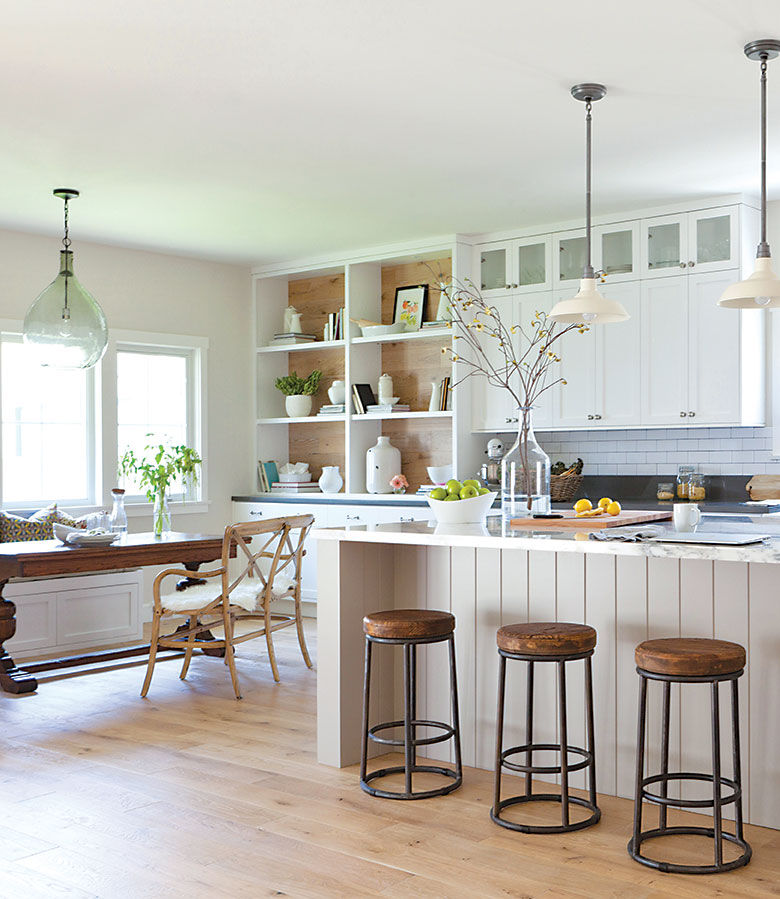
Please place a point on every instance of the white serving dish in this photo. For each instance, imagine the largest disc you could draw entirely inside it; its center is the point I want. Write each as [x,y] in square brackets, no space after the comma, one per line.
[464,511]
[295,477]
[439,474]
[382,330]
[79,537]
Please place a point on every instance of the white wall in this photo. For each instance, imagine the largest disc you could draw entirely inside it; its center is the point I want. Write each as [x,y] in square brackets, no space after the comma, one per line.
[142,291]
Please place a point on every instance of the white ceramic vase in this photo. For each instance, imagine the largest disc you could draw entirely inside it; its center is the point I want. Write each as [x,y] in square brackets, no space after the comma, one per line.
[330,480]
[383,462]
[297,406]
[337,392]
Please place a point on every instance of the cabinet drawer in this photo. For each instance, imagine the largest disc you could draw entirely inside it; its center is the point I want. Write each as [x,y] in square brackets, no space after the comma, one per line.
[99,615]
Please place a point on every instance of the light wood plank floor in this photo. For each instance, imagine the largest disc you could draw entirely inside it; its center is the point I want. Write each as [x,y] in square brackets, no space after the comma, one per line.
[192,794]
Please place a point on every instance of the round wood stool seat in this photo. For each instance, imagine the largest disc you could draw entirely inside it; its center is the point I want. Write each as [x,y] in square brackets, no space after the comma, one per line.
[546,638]
[408,624]
[690,657]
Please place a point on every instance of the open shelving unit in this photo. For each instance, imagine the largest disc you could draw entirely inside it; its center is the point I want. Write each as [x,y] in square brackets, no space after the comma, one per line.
[365,288]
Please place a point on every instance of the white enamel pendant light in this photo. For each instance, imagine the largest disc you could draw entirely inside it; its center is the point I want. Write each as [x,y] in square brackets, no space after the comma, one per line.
[589,305]
[762,288]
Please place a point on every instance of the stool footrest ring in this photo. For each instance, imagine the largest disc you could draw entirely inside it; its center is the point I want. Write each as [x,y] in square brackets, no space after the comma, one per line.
[587,758]
[538,828]
[688,803]
[672,868]
[449,732]
[456,778]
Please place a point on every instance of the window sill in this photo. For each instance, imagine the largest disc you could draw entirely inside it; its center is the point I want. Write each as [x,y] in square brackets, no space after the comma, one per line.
[192,507]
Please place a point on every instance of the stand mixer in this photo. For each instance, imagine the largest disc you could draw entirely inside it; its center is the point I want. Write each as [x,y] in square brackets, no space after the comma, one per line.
[490,472]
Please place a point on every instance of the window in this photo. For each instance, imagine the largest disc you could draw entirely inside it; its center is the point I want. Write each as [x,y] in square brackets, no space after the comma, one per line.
[48,429]
[156,399]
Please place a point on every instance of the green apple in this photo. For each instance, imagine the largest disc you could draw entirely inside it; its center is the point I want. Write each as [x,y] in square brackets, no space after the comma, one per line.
[471,482]
[468,492]
[439,493]
[454,486]
[482,491]
[451,497]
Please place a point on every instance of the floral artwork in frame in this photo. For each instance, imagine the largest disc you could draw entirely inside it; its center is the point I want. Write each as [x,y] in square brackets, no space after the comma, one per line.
[410,306]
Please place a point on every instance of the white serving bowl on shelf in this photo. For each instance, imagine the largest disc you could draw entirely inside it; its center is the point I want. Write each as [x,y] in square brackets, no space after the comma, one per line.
[383,330]
[462,511]
[439,474]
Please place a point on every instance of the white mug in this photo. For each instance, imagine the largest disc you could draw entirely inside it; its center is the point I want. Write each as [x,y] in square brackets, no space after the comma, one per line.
[686,517]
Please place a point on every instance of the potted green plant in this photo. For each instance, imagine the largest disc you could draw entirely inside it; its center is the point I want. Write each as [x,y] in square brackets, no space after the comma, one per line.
[298,392]
[157,468]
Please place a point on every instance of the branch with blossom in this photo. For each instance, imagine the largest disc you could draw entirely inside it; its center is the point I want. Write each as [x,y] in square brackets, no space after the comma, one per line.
[522,365]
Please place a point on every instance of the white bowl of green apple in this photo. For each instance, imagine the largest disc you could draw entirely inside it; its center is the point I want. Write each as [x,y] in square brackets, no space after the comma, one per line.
[461,502]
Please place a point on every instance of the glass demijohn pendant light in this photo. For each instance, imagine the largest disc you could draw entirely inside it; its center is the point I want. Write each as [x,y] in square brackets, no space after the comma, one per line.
[589,305]
[65,325]
[762,288]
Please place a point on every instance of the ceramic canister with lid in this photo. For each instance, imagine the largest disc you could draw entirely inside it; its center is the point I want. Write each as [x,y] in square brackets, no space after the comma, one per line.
[383,461]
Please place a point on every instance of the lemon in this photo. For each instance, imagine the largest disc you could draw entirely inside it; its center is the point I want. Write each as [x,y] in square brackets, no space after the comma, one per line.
[583,505]
[613,508]
[604,502]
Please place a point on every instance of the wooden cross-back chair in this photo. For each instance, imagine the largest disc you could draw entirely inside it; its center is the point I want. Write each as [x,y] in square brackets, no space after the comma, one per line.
[271,570]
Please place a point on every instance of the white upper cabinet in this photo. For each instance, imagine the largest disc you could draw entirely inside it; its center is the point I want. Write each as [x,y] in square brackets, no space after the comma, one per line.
[568,257]
[575,401]
[704,241]
[516,266]
[525,309]
[492,408]
[616,251]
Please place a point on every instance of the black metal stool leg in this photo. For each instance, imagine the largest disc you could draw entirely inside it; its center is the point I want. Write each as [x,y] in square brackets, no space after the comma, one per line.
[499,734]
[455,713]
[591,728]
[738,828]
[640,763]
[717,811]
[564,735]
[529,727]
[408,738]
[665,752]
[366,696]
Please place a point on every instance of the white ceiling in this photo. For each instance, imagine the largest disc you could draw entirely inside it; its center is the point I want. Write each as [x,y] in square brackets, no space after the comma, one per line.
[257,130]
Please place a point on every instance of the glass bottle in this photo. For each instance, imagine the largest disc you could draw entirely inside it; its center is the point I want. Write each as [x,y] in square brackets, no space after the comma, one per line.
[118,515]
[697,488]
[162,514]
[525,474]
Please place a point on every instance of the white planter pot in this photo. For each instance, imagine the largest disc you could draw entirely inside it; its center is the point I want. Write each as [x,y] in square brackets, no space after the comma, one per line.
[383,461]
[297,406]
[330,480]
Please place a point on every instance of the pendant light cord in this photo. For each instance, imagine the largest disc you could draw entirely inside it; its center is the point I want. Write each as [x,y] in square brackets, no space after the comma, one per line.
[763,247]
[588,272]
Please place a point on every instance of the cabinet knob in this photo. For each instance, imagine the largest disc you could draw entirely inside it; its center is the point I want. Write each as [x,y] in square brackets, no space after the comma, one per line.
[509,421]
[691,264]
[484,286]
[597,417]
[508,286]
[514,286]
[590,418]
[682,265]
[683,414]
[691,414]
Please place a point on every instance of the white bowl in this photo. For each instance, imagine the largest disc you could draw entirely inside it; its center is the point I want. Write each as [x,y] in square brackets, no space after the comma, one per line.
[464,511]
[382,330]
[295,477]
[440,474]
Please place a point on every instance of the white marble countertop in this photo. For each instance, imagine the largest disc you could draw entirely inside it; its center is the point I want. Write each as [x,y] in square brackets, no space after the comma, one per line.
[494,534]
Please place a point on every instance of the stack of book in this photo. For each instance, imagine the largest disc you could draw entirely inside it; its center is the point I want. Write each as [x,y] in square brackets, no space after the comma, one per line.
[385,408]
[334,329]
[444,394]
[292,337]
[332,409]
[307,486]
[425,489]
[439,323]
[363,397]
[267,473]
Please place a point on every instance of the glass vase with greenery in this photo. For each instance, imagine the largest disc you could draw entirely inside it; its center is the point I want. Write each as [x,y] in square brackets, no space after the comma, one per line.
[155,470]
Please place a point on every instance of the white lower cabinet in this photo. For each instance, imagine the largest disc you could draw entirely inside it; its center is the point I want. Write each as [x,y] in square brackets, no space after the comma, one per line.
[70,613]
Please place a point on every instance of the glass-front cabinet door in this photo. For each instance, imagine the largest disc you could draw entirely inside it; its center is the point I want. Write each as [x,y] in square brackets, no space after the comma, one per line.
[712,240]
[533,258]
[664,246]
[569,253]
[616,251]
[494,262]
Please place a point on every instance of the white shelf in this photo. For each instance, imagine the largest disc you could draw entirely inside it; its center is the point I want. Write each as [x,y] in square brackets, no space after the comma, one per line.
[298,347]
[287,420]
[389,415]
[423,334]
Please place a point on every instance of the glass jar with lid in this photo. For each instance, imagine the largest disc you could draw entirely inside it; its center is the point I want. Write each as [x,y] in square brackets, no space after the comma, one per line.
[697,488]
[684,473]
[665,491]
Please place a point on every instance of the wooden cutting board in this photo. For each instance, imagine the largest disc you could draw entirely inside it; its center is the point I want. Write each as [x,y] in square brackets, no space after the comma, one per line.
[600,521]
[764,486]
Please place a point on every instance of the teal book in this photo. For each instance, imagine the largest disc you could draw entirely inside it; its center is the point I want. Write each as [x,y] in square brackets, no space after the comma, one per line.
[271,472]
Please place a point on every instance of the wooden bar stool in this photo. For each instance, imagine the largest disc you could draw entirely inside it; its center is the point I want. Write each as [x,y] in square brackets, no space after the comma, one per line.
[689,660]
[410,628]
[546,642]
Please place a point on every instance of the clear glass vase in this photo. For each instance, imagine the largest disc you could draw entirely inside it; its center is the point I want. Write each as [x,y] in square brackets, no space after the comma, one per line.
[162,515]
[525,474]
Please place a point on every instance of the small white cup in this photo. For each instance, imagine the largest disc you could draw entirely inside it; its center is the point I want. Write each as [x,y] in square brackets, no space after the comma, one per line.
[686,517]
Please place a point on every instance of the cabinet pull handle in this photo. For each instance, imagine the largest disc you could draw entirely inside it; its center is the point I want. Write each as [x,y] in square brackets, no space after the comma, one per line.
[691,414]
[509,421]
[406,519]
[683,414]
[353,518]
[252,512]
[691,264]
[590,418]
[597,417]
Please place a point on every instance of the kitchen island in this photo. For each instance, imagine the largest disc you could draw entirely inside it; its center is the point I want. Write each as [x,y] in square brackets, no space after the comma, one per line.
[490,575]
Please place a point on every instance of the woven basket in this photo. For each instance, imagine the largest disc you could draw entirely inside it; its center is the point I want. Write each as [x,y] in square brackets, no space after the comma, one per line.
[563,489]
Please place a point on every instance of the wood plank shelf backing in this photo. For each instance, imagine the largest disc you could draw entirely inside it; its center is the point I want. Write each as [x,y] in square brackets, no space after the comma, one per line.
[314,298]
[422,442]
[321,445]
[407,274]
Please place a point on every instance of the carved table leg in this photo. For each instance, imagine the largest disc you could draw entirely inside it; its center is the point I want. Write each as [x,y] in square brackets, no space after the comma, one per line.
[12,679]
[191,581]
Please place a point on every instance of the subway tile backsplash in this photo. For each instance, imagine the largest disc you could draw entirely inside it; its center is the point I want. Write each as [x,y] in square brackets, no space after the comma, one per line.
[714,451]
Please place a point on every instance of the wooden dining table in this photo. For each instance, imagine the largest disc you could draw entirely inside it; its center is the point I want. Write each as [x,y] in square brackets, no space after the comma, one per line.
[51,558]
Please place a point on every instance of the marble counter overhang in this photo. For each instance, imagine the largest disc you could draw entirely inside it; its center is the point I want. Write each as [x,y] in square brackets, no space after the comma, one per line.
[493,534]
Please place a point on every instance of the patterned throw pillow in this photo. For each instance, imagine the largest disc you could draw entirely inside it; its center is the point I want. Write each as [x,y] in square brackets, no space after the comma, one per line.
[39,526]
[52,513]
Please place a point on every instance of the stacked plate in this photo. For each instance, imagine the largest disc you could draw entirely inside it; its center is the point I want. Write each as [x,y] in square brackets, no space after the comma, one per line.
[80,537]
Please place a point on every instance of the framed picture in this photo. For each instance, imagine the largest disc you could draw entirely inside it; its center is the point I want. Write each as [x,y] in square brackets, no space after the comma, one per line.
[410,306]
